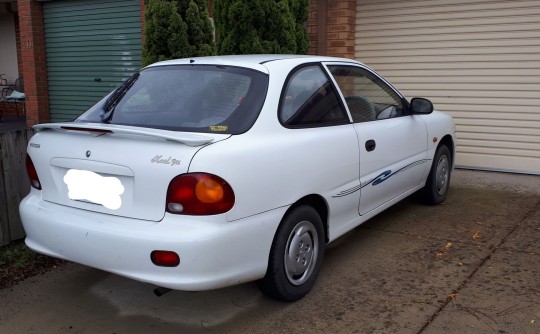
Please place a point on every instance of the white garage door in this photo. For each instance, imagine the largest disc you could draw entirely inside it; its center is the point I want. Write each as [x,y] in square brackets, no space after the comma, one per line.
[479,61]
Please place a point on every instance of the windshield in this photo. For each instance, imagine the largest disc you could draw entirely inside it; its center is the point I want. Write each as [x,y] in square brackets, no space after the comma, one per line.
[193,98]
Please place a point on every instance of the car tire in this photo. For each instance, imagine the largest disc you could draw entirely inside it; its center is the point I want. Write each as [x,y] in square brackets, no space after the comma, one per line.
[296,255]
[438,181]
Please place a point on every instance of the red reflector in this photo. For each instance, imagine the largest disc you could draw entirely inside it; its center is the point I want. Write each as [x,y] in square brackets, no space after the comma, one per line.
[165,258]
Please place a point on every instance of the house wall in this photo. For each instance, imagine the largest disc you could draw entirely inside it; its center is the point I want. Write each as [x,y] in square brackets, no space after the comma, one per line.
[331,33]
[508,124]
[331,27]
[33,62]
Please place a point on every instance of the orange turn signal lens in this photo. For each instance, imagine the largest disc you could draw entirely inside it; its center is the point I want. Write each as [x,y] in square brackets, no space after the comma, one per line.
[199,194]
[209,191]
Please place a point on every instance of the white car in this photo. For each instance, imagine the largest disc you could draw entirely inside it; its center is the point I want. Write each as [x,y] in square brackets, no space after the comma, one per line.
[202,173]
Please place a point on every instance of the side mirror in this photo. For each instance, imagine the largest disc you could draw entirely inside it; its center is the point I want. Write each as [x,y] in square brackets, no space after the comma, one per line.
[420,106]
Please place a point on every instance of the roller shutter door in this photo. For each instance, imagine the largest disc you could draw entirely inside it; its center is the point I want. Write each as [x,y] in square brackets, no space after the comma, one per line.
[479,61]
[91,47]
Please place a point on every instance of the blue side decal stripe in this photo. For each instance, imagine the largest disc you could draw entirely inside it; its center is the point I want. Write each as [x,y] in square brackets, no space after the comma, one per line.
[380,178]
[348,191]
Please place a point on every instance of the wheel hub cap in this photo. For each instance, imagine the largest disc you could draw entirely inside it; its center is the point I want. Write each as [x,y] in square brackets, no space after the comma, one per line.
[301,253]
[442,174]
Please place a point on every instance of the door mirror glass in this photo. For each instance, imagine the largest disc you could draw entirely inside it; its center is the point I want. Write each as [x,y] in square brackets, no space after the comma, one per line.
[421,106]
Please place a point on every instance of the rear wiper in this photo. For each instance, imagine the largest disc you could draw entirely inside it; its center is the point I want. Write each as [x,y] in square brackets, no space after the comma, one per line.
[116,96]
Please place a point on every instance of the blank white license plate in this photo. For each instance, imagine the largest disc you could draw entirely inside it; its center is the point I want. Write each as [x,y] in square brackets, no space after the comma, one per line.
[84,185]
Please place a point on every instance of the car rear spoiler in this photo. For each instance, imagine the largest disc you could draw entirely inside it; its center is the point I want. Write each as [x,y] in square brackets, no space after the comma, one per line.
[190,139]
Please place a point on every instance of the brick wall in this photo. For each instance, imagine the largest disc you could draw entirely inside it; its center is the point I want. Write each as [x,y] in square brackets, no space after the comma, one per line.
[33,61]
[313,27]
[331,27]
[18,42]
[143,10]
[341,27]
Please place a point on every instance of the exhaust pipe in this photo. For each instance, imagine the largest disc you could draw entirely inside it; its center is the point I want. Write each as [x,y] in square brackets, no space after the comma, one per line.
[160,291]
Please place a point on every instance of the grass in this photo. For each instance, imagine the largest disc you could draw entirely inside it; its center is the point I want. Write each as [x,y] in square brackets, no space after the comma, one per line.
[16,256]
[18,262]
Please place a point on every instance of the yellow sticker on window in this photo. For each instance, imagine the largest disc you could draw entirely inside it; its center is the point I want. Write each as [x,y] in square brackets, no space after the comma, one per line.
[219,128]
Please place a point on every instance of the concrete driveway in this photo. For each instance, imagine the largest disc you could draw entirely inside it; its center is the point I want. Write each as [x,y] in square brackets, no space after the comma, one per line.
[470,265]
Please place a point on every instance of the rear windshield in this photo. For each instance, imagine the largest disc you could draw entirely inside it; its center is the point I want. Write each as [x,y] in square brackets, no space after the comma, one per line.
[194,98]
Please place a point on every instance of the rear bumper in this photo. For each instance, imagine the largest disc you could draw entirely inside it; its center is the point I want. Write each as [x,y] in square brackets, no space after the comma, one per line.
[213,253]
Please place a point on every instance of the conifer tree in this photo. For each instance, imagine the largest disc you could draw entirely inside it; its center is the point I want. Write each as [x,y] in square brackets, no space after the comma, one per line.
[261,26]
[176,29]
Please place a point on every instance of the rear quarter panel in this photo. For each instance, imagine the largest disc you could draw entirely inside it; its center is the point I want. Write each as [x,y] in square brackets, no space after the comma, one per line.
[269,171]
[271,166]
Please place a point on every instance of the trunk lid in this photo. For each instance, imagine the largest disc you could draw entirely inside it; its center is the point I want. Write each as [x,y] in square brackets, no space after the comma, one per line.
[91,165]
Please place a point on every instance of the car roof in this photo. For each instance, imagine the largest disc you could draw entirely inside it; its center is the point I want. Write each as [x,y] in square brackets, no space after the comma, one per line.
[254,61]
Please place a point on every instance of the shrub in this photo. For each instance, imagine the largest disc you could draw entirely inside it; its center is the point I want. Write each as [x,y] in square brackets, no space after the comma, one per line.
[261,26]
[176,29]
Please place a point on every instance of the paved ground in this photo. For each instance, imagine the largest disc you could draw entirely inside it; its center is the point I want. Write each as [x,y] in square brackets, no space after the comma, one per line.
[467,266]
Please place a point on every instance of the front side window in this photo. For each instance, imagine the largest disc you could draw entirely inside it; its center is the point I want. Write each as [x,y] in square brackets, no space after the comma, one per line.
[368,98]
[309,99]
[194,98]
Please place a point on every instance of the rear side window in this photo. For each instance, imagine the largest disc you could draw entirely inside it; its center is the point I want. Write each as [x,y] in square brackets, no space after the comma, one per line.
[309,100]
[194,98]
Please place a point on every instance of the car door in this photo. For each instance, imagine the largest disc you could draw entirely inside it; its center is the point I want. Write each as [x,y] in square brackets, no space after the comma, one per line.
[392,143]
[320,146]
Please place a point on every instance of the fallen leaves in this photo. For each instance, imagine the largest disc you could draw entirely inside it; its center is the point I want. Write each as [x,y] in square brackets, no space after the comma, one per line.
[445,250]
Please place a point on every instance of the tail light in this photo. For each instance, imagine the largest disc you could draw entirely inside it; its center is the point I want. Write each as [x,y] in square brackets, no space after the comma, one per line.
[199,194]
[32,173]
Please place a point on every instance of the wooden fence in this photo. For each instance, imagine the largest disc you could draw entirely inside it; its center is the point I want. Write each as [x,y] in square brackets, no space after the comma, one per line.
[14,184]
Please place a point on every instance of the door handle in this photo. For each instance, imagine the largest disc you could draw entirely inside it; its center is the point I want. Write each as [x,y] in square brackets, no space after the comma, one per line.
[370,145]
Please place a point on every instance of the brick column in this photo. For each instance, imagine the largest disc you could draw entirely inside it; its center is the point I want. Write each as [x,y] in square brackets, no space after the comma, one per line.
[143,11]
[331,27]
[18,42]
[341,28]
[34,64]
[313,27]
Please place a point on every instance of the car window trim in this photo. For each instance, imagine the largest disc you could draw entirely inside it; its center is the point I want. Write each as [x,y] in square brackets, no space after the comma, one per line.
[372,72]
[159,67]
[332,84]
